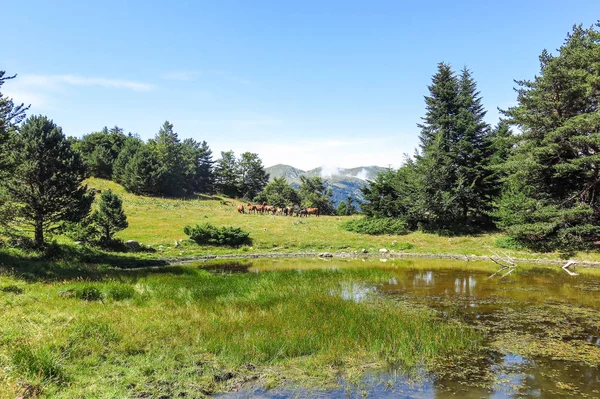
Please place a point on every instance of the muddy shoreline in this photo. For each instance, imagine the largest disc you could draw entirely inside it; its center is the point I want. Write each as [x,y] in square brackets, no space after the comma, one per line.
[356,255]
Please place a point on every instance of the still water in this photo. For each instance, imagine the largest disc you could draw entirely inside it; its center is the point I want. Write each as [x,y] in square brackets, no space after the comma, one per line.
[542,328]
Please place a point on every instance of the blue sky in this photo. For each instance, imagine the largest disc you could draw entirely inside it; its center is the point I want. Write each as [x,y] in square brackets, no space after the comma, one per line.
[306,83]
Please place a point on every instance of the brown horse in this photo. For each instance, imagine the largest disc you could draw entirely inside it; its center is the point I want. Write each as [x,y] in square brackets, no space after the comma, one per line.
[251,208]
[280,211]
[240,208]
[269,208]
[312,211]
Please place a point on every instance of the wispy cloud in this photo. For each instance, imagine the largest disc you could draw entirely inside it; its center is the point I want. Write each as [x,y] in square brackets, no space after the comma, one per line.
[58,81]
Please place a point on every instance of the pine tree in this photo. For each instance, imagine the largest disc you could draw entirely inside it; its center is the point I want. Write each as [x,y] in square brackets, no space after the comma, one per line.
[169,152]
[110,216]
[198,174]
[100,150]
[11,115]
[47,179]
[278,193]
[315,194]
[226,174]
[252,175]
[453,165]
[131,146]
[438,177]
[551,198]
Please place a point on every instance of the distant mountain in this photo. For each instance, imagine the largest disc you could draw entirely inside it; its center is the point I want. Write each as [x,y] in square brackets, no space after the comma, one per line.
[343,182]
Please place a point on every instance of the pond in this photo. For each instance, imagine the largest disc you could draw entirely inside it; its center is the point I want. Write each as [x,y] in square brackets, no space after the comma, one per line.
[541,328]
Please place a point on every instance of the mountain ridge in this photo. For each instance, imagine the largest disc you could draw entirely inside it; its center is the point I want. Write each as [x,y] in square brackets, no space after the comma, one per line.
[344,182]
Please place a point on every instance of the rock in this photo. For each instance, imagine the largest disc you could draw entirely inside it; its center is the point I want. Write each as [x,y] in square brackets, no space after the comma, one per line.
[364,251]
[383,251]
[325,255]
[176,244]
[161,248]
[132,244]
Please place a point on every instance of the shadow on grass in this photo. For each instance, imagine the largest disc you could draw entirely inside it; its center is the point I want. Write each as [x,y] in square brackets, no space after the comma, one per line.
[77,263]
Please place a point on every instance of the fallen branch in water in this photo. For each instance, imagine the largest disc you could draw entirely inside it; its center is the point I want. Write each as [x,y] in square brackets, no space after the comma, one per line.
[505,262]
[566,268]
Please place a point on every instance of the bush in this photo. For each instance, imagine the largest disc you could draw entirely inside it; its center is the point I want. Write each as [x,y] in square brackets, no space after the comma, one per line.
[376,226]
[207,234]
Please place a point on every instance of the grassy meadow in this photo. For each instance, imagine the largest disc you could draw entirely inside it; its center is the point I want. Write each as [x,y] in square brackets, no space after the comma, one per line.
[185,332]
[159,222]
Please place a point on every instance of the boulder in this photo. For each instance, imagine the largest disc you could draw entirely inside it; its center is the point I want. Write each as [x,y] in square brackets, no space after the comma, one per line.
[325,255]
[364,251]
[383,251]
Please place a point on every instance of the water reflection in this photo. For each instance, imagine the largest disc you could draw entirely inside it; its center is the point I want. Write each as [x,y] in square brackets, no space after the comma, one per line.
[472,296]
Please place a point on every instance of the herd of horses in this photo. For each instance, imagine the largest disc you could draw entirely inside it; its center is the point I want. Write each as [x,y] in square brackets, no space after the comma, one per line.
[275,210]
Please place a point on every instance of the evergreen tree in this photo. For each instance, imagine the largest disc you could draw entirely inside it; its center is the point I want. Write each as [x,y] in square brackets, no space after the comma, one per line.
[131,146]
[109,216]
[454,159]
[143,173]
[100,150]
[252,175]
[169,153]
[552,194]
[198,174]
[11,115]
[314,194]
[470,154]
[46,181]
[226,174]
[342,208]
[278,193]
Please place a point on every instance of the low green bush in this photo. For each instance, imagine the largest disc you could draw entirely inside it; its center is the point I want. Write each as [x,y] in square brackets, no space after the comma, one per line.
[207,234]
[375,226]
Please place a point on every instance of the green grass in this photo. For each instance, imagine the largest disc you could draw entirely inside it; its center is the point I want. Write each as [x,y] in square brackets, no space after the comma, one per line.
[159,222]
[185,330]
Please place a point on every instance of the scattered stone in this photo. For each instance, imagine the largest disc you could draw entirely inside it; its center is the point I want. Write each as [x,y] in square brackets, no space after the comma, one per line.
[132,244]
[383,251]
[176,244]
[325,255]
[161,248]
[364,251]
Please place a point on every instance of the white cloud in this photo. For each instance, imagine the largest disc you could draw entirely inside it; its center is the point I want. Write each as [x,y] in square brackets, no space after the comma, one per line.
[56,82]
[363,174]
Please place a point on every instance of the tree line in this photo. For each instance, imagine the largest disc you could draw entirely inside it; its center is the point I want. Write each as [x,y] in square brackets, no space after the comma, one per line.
[540,185]
[42,174]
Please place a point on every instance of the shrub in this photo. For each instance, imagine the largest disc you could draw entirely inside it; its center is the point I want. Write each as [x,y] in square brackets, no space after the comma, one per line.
[207,234]
[376,226]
